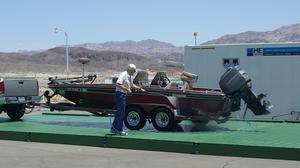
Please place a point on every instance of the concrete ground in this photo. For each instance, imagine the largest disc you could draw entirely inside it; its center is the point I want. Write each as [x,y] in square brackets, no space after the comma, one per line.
[15,154]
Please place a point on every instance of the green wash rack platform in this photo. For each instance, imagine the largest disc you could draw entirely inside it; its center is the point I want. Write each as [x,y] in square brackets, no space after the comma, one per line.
[258,139]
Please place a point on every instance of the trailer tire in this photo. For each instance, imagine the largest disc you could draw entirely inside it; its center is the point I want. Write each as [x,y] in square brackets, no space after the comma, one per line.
[163,119]
[134,118]
[15,112]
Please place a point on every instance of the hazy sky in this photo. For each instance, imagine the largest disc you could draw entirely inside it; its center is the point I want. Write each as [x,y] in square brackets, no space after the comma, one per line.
[29,24]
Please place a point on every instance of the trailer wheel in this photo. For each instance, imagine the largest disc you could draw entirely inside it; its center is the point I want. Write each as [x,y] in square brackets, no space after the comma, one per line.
[15,112]
[134,119]
[163,119]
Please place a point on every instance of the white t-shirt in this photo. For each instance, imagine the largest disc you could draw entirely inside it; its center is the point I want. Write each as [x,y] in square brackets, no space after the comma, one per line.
[124,79]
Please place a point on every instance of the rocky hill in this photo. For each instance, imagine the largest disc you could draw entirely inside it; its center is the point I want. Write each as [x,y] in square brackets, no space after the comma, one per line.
[289,33]
[148,48]
[53,60]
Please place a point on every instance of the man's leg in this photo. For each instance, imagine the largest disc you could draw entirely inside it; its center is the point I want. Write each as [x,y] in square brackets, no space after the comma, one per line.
[120,113]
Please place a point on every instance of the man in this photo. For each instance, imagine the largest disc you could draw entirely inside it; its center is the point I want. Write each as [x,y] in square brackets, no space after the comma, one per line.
[123,88]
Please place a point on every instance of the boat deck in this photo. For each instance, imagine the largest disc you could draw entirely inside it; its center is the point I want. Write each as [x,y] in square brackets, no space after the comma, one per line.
[259,139]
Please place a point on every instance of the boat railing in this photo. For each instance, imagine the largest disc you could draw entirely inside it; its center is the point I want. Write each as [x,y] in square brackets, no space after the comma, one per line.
[74,80]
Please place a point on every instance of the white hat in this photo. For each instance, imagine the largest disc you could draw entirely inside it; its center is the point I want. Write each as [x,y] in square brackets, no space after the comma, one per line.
[131,66]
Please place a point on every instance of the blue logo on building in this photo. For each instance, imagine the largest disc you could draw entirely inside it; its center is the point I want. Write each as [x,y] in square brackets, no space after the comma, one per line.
[249,51]
[274,51]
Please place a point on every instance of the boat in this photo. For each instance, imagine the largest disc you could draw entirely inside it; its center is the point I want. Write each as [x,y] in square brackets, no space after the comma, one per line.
[165,103]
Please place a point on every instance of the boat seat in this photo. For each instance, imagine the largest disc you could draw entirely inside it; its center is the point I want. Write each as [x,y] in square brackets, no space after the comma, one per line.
[160,79]
[186,86]
[188,80]
[141,78]
[171,85]
[143,83]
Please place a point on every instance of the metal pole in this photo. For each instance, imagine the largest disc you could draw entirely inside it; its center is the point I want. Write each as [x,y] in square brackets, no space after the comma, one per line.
[83,61]
[67,53]
[82,73]
[195,35]
[56,30]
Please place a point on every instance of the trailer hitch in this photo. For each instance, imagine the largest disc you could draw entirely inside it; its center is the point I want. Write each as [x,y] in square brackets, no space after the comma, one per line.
[48,96]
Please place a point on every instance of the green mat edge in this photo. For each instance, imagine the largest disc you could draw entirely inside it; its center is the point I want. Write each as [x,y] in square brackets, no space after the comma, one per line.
[110,141]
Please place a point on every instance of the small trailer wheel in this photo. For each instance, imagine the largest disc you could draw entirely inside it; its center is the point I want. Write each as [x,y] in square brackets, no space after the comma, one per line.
[163,119]
[134,119]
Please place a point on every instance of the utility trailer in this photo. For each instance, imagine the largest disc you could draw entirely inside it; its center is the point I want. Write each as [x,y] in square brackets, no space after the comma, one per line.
[163,104]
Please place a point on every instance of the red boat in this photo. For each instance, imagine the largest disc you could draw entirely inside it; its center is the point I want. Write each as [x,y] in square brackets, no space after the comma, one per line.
[164,103]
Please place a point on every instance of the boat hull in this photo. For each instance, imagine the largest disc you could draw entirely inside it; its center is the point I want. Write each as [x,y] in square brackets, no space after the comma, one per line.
[202,104]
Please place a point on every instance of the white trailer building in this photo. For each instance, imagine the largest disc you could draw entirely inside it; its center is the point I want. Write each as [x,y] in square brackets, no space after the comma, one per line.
[273,67]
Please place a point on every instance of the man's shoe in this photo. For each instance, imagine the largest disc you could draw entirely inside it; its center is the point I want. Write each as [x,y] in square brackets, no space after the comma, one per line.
[123,133]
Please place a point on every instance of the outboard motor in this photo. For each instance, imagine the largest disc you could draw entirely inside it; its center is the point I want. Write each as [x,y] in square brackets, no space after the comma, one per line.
[236,81]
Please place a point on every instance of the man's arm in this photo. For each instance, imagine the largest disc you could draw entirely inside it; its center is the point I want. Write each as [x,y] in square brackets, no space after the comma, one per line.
[137,87]
[123,87]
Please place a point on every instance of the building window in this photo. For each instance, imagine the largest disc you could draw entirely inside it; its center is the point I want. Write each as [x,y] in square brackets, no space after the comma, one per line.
[230,62]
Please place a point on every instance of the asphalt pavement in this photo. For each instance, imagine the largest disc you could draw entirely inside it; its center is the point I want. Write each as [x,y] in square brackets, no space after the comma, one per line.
[14,154]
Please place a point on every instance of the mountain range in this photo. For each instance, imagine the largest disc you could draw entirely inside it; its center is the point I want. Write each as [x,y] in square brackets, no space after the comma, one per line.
[147,48]
[53,60]
[115,55]
[289,33]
